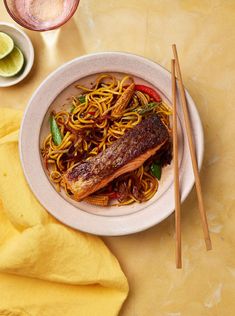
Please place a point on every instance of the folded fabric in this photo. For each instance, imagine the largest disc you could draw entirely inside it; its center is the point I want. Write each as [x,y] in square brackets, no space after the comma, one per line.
[46,268]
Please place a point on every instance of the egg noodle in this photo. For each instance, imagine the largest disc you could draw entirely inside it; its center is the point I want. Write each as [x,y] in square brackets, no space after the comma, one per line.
[89,127]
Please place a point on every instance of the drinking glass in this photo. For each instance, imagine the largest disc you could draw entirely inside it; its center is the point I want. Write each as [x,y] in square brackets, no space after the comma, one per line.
[41,15]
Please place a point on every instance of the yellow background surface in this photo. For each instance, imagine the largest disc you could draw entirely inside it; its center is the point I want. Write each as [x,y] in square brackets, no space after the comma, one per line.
[204,31]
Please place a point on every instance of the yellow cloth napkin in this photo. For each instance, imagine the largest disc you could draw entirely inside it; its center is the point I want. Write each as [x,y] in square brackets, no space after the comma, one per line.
[46,268]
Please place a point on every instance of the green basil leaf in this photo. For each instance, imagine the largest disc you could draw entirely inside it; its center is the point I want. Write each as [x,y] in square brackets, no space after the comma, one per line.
[82,99]
[156,170]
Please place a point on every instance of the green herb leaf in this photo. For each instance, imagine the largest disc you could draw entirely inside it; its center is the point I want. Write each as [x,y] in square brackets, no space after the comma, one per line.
[156,170]
[55,131]
[152,105]
[149,107]
[82,99]
[72,109]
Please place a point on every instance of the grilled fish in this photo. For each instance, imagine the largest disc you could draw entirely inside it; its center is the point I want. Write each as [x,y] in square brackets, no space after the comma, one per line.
[126,154]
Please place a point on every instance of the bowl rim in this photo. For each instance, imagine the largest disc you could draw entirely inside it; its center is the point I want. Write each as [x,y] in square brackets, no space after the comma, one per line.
[14,80]
[117,230]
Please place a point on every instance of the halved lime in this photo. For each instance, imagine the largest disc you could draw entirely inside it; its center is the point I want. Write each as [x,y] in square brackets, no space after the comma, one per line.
[6,45]
[12,63]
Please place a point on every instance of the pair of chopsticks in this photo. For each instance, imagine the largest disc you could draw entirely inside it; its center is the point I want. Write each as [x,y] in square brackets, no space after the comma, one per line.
[176,66]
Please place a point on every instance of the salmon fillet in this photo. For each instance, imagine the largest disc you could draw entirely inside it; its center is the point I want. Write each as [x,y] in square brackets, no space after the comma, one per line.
[126,154]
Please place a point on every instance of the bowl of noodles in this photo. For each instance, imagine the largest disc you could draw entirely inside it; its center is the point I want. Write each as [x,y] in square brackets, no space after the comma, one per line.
[81,121]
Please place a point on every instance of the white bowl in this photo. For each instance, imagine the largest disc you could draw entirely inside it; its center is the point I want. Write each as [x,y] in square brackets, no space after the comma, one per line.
[21,40]
[52,94]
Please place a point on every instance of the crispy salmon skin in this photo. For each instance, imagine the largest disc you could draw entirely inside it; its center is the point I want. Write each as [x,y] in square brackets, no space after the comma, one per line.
[126,154]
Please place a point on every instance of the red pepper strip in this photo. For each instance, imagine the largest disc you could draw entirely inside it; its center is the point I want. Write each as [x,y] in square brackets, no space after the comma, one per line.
[91,113]
[105,117]
[113,195]
[152,93]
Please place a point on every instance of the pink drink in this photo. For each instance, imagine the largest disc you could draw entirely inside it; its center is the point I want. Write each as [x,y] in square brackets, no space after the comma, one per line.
[41,15]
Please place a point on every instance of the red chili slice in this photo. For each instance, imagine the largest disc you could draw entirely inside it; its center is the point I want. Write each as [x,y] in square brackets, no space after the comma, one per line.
[152,93]
[114,195]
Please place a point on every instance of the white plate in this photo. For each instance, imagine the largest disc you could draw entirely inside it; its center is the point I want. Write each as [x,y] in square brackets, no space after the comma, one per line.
[21,40]
[52,94]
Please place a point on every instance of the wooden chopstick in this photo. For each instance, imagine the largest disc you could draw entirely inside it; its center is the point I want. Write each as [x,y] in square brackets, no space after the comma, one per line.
[178,256]
[192,152]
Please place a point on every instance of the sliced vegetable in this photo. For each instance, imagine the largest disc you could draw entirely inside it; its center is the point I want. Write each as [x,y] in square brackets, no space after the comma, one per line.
[71,109]
[55,131]
[152,93]
[149,107]
[114,195]
[156,169]
[123,100]
[82,99]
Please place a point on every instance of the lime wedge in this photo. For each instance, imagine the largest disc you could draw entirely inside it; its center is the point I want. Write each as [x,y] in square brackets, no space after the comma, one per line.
[6,45]
[12,63]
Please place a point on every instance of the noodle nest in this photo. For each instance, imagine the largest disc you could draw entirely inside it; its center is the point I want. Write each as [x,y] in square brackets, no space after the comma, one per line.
[89,127]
